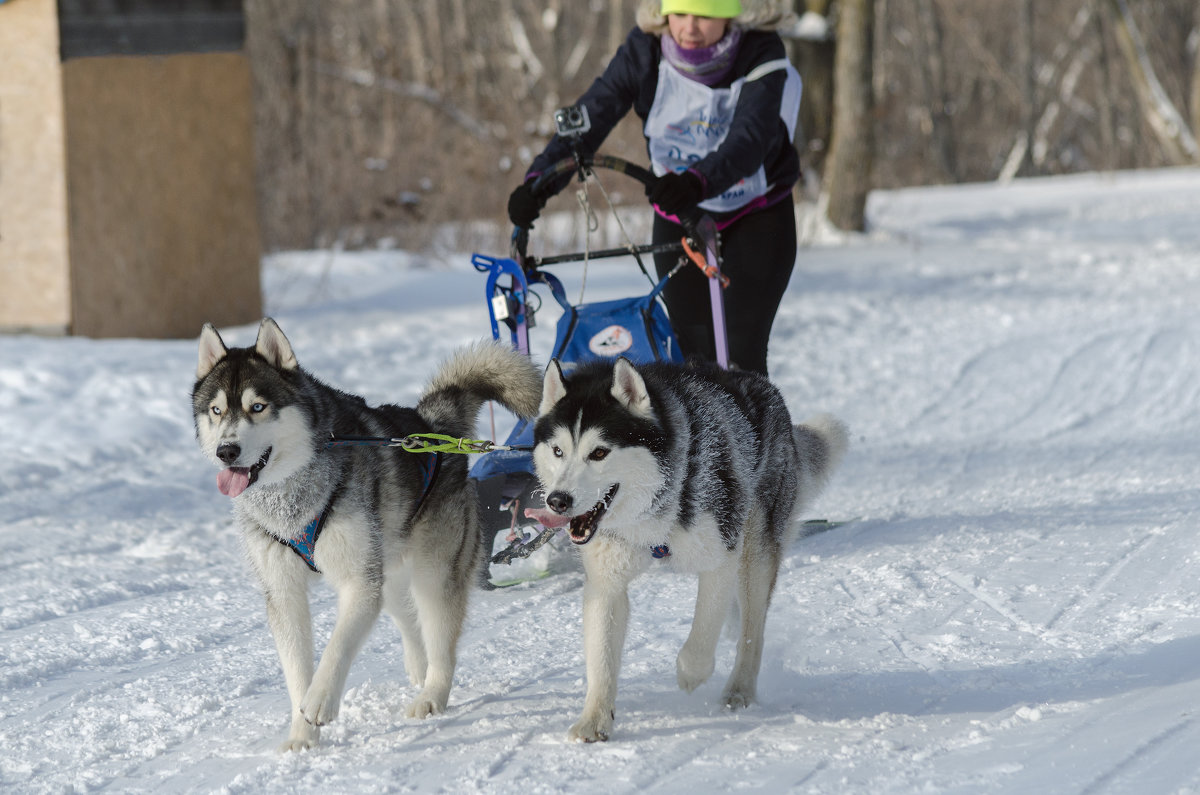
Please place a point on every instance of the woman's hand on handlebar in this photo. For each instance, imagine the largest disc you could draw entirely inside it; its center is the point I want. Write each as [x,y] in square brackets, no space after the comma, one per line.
[674,193]
[523,206]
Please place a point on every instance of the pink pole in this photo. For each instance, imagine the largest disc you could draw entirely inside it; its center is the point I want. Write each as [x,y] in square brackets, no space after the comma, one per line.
[718,315]
[706,229]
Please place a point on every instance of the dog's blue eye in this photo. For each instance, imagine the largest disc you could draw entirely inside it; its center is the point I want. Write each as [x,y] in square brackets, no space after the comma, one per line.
[557,451]
[599,454]
[258,408]
[216,410]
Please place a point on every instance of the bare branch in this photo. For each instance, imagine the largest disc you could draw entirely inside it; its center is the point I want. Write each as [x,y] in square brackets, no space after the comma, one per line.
[1177,141]
[431,97]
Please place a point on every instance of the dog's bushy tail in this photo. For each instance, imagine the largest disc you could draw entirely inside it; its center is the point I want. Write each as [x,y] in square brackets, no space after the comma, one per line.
[473,375]
[821,442]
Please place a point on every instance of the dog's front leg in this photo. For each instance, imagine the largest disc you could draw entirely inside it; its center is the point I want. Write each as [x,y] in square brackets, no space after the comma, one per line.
[714,598]
[291,626]
[358,608]
[605,618]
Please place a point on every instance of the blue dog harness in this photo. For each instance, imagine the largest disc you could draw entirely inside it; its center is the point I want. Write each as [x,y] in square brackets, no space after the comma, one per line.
[305,544]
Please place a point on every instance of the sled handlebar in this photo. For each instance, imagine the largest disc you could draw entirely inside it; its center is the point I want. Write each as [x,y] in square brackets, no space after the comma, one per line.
[541,189]
[569,165]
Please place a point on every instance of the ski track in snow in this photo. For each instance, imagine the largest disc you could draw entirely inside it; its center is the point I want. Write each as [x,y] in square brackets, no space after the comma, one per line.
[1012,609]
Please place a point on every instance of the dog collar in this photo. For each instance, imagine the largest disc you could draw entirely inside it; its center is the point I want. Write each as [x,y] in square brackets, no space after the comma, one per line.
[305,544]
[660,551]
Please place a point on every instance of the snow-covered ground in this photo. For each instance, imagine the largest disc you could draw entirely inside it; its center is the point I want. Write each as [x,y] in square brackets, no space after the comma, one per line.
[1014,609]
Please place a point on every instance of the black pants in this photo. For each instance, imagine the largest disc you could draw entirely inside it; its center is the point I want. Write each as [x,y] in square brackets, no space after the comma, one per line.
[758,254]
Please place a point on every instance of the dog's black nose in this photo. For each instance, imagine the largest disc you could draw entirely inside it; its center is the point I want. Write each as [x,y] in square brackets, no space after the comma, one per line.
[229,452]
[559,501]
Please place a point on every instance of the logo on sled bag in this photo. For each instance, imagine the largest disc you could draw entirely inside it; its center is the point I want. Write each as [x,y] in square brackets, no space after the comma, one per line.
[612,341]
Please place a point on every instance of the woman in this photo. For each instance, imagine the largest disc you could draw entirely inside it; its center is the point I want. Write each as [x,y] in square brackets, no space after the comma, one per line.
[719,101]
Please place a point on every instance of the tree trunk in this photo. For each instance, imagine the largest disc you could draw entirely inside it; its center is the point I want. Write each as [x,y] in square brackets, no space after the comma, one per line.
[851,153]
[933,74]
[1059,83]
[1176,140]
[1106,114]
[814,62]
[1028,87]
[1196,77]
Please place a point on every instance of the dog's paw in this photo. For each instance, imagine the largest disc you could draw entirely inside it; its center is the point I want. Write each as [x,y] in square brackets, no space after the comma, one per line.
[424,706]
[591,729]
[292,744]
[320,706]
[737,698]
[302,737]
[691,670]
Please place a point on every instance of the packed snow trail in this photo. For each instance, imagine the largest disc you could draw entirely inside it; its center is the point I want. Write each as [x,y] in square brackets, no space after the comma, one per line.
[1013,608]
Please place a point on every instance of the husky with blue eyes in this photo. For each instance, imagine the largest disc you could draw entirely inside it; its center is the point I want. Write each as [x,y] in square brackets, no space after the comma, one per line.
[386,528]
[687,467]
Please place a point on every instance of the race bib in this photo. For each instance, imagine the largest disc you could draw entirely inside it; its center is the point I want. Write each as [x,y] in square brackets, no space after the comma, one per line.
[689,120]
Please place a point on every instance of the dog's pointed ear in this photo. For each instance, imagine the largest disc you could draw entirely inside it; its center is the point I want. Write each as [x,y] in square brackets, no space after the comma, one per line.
[554,386]
[274,347]
[212,350]
[629,389]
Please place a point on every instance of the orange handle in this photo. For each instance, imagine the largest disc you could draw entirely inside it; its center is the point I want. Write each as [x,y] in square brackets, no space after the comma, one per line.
[701,262]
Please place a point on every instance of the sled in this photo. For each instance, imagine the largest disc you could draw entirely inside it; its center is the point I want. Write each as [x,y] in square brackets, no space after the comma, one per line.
[636,327]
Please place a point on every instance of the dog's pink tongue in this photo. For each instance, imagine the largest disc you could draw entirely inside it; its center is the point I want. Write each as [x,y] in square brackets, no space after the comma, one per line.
[233,481]
[547,517]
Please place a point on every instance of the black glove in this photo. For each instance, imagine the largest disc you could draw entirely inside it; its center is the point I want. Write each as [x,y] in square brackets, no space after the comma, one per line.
[675,192]
[523,206]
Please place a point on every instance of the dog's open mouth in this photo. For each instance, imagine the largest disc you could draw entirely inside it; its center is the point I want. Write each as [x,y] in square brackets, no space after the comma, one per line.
[583,526]
[234,480]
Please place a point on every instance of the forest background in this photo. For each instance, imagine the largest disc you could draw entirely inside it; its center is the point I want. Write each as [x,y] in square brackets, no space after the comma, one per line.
[380,123]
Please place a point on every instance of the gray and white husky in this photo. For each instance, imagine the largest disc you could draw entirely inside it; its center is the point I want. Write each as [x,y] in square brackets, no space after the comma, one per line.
[690,467]
[387,528]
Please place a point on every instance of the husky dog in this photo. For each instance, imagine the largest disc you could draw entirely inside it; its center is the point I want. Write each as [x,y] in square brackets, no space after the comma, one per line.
[691,465]
[387,528]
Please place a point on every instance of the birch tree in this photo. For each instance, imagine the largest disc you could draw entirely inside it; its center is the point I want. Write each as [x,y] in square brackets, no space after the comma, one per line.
[1195,42]
[1059,81]
[1177,142]
[933,77]
[813,53]
[1025,48]
[852,150]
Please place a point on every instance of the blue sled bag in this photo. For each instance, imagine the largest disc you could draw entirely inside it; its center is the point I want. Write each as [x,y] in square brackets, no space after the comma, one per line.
[636,328]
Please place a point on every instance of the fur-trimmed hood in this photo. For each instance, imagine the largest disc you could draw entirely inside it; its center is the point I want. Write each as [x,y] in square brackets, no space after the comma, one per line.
[756,15]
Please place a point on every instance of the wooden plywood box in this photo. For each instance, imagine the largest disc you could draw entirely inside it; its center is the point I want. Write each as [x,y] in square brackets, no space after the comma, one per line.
[34,277]
[156,174]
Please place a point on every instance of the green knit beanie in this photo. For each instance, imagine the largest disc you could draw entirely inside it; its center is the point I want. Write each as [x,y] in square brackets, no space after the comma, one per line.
[719,9]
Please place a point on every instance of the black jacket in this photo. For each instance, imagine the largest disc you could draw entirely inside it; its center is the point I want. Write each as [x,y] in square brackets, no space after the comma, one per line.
[756,137]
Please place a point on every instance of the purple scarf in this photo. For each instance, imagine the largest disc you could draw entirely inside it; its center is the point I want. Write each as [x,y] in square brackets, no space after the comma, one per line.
[707,65]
